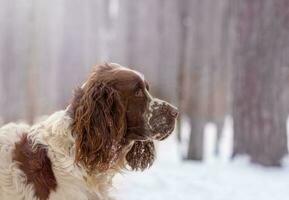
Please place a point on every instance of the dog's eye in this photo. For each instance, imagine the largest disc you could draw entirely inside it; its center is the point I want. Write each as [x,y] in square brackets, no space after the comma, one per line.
[139,93]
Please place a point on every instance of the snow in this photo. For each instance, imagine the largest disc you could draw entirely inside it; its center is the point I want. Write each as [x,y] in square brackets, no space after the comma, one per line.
[214,179]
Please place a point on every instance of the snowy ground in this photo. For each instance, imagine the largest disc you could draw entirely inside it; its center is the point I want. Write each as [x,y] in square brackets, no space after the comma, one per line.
[215,179]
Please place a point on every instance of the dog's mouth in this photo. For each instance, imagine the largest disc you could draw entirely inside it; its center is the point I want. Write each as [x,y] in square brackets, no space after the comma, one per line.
[162,127]
[137,134]
[158,125]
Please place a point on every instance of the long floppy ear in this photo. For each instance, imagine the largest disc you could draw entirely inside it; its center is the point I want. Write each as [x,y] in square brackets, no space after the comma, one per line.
[141,156]
[98,125]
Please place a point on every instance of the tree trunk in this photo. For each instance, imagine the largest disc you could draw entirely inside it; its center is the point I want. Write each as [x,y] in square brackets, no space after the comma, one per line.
[259,125]
[183,43]
[205,74]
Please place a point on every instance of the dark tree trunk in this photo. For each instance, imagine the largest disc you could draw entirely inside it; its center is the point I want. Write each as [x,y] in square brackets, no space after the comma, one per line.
[259,124]
[195,151]
[184,39]
[205,76]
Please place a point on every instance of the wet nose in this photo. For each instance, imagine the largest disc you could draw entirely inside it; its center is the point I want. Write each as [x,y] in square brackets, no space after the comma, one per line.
[174,112]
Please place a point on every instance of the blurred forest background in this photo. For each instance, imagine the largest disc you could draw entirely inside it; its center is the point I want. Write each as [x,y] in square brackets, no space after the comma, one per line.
[211,58]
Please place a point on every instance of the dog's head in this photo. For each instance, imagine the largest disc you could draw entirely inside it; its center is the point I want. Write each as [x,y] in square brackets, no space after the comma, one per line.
[114,110]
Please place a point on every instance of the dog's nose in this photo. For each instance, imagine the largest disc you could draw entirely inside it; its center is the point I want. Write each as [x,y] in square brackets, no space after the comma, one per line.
[174,112]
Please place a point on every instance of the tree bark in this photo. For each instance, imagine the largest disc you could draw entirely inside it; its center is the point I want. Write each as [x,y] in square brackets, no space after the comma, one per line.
[259,126]
[204,97]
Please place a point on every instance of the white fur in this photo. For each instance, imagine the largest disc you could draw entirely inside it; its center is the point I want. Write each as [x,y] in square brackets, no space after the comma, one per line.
[73,182]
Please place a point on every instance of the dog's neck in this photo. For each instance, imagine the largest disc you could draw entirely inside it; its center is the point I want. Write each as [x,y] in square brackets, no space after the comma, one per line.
[55,134]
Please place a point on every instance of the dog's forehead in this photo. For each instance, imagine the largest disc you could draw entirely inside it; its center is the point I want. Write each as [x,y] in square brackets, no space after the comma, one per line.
[128,72]
[140,75]
[125,74]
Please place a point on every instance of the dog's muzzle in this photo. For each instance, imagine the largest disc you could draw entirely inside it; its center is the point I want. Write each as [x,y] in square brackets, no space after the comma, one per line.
[160,117]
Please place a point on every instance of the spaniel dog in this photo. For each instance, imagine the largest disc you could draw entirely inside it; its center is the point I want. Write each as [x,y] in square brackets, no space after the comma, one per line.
[109,127]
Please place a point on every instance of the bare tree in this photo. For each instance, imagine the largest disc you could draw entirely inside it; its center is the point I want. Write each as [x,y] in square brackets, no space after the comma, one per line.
[259,125]
[203,76]
[184,8]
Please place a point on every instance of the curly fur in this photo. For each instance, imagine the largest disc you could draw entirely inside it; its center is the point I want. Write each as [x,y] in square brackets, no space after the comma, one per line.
[98,124]
[75,153]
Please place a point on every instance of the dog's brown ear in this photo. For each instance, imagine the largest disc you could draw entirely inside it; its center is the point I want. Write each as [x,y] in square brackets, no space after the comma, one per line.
[98,125]
[141,156]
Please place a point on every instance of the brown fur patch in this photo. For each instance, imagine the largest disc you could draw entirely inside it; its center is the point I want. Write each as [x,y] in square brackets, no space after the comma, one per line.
[107,114]
[99,124]
[36,166]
